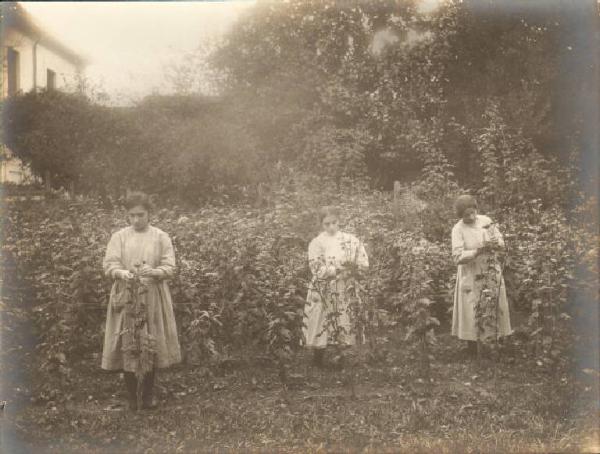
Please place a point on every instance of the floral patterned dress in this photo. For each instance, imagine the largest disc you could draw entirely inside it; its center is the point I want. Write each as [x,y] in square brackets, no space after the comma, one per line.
[468,291]
[126,249]
[328,290]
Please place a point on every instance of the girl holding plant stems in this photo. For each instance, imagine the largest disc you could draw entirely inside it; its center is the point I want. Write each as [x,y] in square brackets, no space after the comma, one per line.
[474,238]
[141,334]
[334,258]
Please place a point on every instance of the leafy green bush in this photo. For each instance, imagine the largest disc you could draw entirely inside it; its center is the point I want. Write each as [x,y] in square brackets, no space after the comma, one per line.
[241,284]
[185,148]
[56,247]
[242,273]
[548,271]
[513,171]
[65,138]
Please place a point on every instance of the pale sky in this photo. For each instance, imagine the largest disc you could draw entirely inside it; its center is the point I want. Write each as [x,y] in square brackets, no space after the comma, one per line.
[130,43]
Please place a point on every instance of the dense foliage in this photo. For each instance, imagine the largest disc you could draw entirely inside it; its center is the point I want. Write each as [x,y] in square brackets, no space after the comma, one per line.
[243,274]
[367,91]
[394,80]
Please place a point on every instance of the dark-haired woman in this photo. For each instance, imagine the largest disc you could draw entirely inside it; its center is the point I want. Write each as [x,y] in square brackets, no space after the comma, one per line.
[473,236]
[329,255]
[144,252]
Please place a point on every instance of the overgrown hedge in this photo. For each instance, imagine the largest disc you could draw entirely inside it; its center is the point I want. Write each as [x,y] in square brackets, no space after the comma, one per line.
[243,273]
[187,149]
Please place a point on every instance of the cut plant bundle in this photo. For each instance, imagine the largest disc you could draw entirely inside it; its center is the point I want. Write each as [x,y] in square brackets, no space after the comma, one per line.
[139,346]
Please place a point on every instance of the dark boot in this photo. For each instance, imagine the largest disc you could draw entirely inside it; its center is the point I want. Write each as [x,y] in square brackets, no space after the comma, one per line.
[318,356]
[148,402]
[131,386]
[472,349]
[339,361]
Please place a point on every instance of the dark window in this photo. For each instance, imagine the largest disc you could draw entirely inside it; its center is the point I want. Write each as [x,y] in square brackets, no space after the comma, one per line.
[12,64]
[50,79]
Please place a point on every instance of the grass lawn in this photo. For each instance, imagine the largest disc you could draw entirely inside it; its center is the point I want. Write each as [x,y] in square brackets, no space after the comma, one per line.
[380,405]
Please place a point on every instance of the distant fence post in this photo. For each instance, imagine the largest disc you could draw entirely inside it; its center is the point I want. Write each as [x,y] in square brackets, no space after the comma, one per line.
[262,196]
[47,182]
[396,204]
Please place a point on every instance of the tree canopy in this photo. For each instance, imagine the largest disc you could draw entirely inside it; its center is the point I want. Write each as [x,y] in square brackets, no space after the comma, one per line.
[346,91]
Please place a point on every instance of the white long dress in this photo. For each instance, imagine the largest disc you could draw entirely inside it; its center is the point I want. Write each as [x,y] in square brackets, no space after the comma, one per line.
[465,240]
[328,289]
[127,248]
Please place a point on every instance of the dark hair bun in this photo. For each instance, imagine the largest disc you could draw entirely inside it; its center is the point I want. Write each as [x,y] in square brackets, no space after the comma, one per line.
[463,203]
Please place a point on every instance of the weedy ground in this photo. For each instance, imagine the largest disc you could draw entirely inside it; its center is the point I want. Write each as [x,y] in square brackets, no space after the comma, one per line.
[383,403]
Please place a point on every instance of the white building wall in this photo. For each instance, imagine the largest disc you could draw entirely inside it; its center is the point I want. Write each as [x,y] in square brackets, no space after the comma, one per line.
[24,46]
[66,72]
[12,169]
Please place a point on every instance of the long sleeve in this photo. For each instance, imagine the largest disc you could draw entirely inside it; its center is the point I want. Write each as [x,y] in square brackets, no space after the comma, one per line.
[113,256]
[459,254]
[167,258]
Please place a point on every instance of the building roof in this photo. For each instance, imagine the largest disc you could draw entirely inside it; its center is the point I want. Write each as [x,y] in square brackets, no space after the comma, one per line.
[15,16]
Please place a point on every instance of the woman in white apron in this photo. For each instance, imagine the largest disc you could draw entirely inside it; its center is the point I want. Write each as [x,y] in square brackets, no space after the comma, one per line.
[473,237]
[328,318]
[140,255]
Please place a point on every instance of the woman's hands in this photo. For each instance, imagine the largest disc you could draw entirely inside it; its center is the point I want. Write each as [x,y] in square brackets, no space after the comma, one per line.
[144,271]
[330,271]
[123,274]
[155,272]
[147,271]
[326,271]
[489,245]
